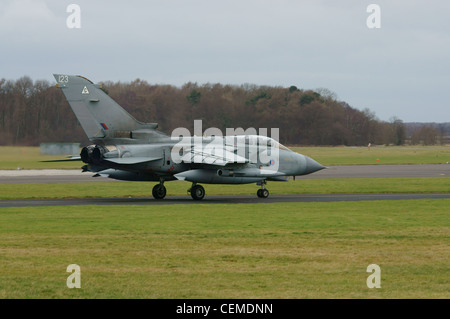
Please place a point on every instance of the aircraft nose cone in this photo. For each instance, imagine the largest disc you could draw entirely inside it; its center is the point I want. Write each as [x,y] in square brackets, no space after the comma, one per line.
[312,166]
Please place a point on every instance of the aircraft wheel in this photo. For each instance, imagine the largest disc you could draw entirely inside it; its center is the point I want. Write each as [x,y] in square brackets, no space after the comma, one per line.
[262,193]
[197,192]
[159,191]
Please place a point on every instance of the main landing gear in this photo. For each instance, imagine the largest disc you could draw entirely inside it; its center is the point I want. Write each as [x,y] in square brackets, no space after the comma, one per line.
[197,191]
[263,192]
[159,190]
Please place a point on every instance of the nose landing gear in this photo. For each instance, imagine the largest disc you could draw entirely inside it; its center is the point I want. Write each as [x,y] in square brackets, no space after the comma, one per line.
[263,192]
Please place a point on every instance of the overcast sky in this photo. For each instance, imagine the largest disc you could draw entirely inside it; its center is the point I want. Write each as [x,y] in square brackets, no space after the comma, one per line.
[401,69]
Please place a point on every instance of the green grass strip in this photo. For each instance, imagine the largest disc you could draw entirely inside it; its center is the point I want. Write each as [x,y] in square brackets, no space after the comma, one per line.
[299,186]
[287,250]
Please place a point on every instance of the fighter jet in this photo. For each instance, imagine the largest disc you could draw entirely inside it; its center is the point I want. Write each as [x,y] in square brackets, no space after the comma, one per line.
[126,149]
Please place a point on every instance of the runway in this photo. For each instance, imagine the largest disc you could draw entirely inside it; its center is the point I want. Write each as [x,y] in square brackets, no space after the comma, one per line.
[345,171]
[216,199]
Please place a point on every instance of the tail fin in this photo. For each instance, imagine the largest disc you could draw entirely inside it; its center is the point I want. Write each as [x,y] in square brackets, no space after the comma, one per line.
[99,115]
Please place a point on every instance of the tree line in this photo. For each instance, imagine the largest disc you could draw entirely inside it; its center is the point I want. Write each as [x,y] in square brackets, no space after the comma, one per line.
[428,133]
[37,112]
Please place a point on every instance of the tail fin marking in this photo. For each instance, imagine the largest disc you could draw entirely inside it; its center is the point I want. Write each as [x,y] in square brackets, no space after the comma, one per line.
[99,115]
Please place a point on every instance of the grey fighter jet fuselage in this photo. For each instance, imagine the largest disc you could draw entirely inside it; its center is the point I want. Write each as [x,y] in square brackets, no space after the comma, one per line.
[126,149]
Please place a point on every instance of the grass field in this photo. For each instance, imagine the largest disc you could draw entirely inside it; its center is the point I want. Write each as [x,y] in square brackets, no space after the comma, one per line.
[377,155]
[283,250]
[30,157]
[290,250]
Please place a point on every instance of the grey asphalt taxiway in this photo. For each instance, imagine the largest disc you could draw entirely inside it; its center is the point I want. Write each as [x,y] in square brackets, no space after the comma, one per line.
[356,171]
[219,199]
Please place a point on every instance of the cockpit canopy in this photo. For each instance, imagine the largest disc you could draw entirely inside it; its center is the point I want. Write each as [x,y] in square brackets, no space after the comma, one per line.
[259,140]
[246,141]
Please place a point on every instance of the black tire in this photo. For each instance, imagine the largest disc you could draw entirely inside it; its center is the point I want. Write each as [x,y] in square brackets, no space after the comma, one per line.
[197,192]
[259,193]
[159,191]
[264,193]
